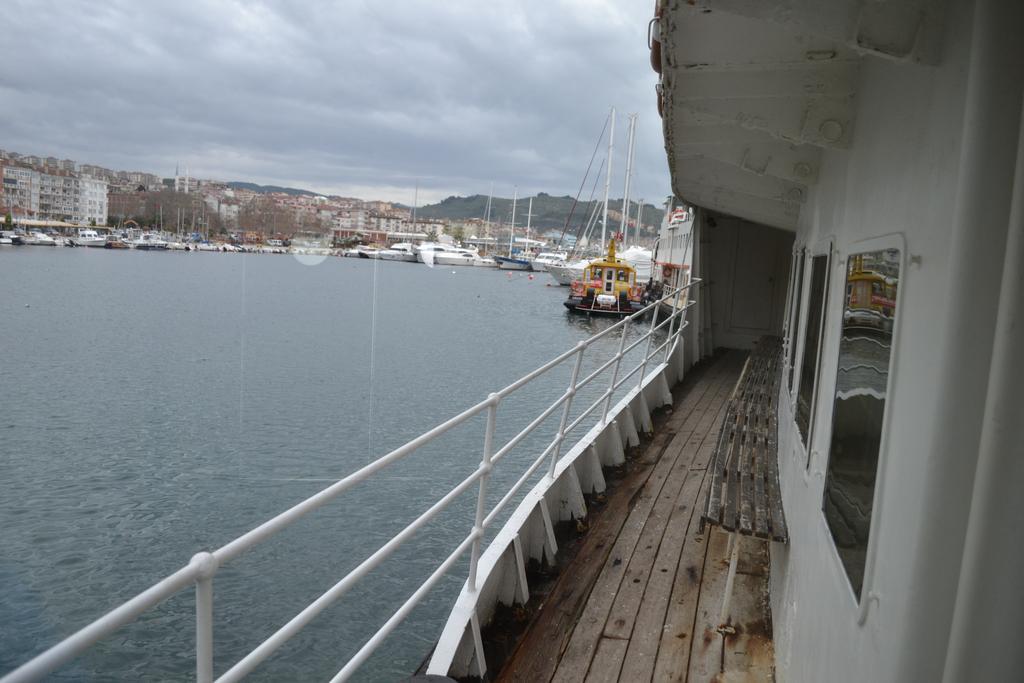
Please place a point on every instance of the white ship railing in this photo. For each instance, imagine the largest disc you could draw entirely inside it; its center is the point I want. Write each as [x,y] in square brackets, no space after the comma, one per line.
[203,567]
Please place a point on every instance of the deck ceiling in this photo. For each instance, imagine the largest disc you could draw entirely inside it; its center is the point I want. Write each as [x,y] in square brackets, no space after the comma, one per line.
[755,90]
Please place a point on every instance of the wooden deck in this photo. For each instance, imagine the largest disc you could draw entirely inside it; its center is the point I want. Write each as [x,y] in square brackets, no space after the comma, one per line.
[641,599]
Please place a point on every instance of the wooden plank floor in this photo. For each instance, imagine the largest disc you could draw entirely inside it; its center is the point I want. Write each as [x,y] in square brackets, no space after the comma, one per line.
[641,599]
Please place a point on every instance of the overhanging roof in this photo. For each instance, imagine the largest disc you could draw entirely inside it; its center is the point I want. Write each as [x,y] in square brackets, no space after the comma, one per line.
[754,90]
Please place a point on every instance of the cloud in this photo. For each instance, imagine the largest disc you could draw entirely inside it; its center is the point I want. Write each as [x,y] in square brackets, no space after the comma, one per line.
[351,98]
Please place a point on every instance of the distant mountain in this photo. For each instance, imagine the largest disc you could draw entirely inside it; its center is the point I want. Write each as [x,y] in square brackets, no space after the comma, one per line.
[549,212]
[253,187]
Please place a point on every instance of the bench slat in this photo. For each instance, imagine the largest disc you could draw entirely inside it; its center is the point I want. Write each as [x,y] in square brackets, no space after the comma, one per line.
[762,516]
[744,495]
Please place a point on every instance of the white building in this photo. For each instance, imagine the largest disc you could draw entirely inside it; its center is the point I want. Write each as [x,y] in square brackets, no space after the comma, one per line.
[352,219]
[387,223]
[50,196]
[58,197]
[92,201]
[20,190]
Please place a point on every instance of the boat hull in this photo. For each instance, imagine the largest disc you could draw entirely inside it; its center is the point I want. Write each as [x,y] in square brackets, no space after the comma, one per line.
[591,306]
[506,263]
[388,256]
[564,275]
[442,259]
[90,242]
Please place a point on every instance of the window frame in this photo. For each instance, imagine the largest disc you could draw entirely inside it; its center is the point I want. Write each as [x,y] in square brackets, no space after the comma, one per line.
[824,248]
[795,315]
[867,594]
[787,311]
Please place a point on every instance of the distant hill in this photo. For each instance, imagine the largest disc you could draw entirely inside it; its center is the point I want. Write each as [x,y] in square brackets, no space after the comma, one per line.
[549,212]
[253,187]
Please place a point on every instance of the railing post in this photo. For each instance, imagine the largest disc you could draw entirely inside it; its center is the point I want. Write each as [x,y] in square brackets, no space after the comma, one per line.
[647,351]
[615,372]
[207,565]
[571,392]
[676,313]
[485,465]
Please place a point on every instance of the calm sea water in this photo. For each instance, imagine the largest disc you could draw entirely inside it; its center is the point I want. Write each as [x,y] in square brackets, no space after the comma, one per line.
[156,404]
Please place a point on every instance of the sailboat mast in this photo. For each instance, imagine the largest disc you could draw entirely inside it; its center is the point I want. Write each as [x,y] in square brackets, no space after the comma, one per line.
[639,214]
[608,181]
[512,228]
[629,172]
[415,201]
[529,215]
[487,213]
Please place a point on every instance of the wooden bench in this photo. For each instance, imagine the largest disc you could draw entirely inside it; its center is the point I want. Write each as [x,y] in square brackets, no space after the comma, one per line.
[744,496]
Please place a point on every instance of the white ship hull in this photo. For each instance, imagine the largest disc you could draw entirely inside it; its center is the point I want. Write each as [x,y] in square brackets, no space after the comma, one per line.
[443,259]
[99,242]
[564,274]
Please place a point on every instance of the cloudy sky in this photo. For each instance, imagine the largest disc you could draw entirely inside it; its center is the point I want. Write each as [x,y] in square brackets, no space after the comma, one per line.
[343,97]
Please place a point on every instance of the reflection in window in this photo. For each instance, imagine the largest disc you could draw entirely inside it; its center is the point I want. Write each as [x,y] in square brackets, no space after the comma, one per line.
[865,351]
[812,339]
[794,322]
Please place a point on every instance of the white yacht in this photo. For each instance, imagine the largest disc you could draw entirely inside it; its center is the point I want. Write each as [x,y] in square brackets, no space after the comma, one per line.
[403,251]
[41,239]
[90,238]
[564,273]
[150,241]
[427,251]
[457,256]
[546,259]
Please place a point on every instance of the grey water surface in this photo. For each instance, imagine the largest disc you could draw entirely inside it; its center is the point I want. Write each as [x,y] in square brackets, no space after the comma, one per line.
[156,404]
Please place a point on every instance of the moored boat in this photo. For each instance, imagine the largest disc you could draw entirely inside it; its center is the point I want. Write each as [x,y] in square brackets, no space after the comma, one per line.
[457,257]
[512,263]
[565,273]
[89,238]
[402,251]
[546,259]
[40,239]
[608,287]
[150,241]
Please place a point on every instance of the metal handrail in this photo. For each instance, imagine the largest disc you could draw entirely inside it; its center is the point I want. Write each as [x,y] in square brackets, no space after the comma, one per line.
[202,568]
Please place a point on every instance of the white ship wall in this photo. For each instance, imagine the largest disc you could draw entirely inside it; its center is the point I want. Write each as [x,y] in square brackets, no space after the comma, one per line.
[900,182]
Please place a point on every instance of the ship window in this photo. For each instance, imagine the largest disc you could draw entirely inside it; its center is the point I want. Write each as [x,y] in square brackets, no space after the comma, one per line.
[794,322]
[622,276]
[812,344]
[595,274]
[865,353]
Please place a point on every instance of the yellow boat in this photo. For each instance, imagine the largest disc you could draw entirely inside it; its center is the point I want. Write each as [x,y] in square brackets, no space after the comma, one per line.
[608,287]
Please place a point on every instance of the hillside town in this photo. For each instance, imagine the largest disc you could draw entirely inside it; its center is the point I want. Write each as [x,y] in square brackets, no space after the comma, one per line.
[61,195]
[46,190]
